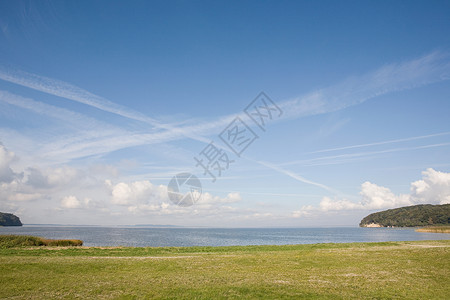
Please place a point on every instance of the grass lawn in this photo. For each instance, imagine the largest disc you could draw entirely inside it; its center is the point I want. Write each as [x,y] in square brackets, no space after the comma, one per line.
[413,270]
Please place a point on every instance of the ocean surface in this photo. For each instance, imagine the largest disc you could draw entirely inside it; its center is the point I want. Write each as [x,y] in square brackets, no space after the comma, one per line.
[159,237]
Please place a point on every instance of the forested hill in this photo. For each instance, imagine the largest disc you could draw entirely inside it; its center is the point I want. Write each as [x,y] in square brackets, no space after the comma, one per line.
[409,216]
[9,220]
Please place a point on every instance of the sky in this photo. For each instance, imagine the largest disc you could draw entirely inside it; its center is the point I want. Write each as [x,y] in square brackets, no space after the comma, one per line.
[289,113]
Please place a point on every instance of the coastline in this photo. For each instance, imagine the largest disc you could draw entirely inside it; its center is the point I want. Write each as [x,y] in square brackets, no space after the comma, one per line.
[178,237]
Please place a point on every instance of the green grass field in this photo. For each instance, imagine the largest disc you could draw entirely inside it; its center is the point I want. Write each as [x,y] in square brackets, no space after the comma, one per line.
[412,270]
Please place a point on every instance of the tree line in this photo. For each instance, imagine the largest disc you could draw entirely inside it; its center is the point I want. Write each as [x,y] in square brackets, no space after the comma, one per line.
[410,216]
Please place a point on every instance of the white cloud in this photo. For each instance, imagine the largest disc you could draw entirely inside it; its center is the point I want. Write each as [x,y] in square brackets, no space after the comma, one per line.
[49,185]
[73,202]
[16,191]
[434,188]
[24,196]
[39,184]
[11,185]
[257,216]
[233,197]
[143,197]
[207,198]
[378,197]
[303,212]
[146,208]
[142,192]
[65,188]
[6,157]
[70,202]
[52,177]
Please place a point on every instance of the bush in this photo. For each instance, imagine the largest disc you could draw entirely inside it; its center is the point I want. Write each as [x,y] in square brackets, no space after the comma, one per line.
[48,242]
[10,241]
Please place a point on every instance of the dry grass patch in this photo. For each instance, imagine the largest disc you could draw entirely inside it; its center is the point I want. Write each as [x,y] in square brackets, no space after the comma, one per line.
[435,229]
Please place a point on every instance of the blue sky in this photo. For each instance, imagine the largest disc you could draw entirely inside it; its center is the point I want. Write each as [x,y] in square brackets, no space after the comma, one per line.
[103,102]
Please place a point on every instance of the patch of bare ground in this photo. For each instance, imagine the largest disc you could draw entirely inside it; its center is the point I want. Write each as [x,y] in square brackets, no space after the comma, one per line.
[138,257]
[391,247]
[281,282]
[429,246]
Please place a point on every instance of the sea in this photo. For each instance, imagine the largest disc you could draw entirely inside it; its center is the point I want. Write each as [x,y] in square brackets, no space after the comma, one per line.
[182,236]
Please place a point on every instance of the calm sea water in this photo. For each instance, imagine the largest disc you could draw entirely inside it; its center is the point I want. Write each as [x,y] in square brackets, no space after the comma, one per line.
[158,237]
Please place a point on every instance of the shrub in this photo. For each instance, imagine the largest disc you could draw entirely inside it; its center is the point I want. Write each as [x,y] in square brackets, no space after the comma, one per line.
[49,242]
[9,241]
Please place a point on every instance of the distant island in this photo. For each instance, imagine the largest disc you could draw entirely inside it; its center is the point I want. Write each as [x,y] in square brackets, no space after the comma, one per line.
[9,220]
[409,216]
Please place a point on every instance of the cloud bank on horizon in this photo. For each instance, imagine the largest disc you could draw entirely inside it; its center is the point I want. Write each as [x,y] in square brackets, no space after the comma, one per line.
[145,198]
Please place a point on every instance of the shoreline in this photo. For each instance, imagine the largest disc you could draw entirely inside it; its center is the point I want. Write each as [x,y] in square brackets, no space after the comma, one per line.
[224,248]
